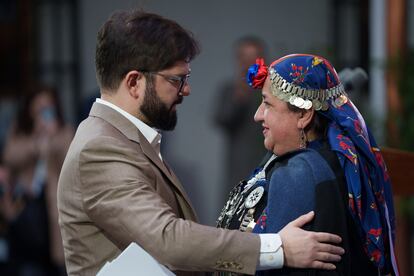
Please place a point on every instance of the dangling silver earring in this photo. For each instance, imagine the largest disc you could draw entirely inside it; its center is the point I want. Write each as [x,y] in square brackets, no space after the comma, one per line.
[303,139]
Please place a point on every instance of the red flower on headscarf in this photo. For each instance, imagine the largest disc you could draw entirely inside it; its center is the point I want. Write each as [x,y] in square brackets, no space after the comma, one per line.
[298,73]
[257,74]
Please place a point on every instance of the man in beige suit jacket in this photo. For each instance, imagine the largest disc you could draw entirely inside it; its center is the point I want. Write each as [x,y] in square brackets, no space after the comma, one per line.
[115,188]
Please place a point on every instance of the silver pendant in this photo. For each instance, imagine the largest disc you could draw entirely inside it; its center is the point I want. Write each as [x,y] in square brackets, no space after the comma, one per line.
[248,223]
[254,197]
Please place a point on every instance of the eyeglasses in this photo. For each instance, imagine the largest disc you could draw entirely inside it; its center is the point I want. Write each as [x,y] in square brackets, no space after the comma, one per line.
[177,81]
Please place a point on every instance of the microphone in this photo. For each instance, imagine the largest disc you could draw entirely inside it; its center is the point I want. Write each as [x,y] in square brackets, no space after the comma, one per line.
[353,79]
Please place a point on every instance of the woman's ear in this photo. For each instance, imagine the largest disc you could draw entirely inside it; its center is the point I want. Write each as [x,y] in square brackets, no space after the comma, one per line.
[305,118]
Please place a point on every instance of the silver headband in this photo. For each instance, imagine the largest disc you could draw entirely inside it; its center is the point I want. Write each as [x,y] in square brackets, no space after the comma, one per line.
[306,98]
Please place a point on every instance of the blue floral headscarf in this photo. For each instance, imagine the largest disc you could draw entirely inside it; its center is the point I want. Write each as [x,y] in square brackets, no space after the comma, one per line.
[309,81]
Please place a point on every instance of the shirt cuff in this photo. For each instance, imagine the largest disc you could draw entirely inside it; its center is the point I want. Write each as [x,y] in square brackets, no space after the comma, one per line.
[271,252]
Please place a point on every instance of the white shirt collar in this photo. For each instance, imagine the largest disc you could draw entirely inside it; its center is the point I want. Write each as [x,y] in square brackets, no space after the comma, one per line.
[152,135]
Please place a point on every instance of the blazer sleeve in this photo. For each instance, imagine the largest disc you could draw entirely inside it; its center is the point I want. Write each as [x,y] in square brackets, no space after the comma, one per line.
[120,197]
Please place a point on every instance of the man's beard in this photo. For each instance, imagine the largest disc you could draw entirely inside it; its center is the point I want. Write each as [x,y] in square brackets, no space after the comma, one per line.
[157,113]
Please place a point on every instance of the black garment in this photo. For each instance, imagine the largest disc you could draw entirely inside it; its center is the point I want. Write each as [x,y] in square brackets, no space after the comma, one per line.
[29,241]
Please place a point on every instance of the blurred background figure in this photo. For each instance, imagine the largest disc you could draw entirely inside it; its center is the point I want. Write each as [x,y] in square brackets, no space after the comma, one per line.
[34,152]
[7,210]
[234,108]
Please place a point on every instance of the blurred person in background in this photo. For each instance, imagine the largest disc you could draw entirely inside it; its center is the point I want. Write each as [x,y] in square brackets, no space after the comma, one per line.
[234,106]
[322,157]
[34,152]
[8,208]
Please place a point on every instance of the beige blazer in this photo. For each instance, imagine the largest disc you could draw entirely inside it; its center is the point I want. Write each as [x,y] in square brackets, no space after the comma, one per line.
[114,189]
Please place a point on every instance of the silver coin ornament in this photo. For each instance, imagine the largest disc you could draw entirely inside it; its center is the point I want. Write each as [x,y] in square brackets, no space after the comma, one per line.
[298,102]
[317,104]
[307,105]
[254,197]
[341,100]
[325,106]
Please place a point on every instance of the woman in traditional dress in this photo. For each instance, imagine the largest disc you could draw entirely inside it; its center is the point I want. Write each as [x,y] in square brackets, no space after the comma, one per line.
[322,157]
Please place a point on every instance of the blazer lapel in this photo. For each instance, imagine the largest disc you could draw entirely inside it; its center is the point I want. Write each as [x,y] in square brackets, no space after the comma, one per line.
[151,154]
[131,132]
[189,213]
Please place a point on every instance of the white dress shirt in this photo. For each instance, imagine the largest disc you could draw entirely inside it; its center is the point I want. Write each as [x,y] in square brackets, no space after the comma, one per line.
[271,251]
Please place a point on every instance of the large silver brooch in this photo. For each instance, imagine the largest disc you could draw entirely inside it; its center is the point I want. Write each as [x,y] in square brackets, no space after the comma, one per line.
[254,197]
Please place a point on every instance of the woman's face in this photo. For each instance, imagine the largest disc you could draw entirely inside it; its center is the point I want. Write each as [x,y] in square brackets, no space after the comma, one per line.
[41,102]
[281,128]
[44,113]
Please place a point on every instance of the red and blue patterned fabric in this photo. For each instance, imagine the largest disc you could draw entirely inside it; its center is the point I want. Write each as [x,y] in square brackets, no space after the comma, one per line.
[369,188]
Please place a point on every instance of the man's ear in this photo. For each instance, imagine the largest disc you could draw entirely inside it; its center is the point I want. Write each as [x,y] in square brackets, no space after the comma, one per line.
[134,82]
[305,118]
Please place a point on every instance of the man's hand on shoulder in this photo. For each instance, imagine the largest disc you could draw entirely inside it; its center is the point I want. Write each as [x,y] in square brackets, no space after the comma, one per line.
[306,249]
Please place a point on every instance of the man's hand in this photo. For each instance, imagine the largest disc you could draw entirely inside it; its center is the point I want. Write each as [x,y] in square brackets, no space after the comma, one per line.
[306,249]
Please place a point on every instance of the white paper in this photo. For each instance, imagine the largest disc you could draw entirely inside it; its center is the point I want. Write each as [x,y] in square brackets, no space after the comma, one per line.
[134,261]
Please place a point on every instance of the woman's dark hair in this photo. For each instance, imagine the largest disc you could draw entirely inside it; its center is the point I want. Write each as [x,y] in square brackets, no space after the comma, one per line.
[135,40]
[319,123]
[25,121]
